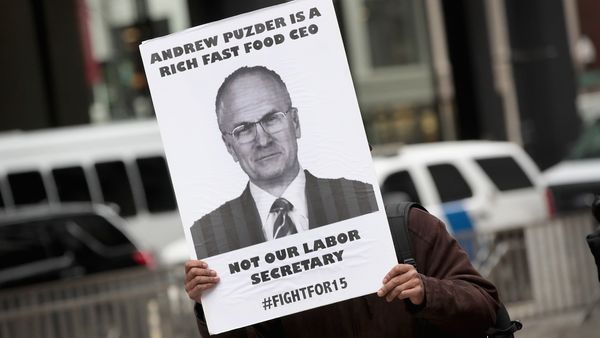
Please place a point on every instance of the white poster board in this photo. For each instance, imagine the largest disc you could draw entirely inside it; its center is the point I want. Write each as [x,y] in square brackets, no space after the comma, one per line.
[289,124]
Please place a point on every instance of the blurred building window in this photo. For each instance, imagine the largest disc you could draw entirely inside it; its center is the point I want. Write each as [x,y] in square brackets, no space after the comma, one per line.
[385,19]
[450,184]
[402,124]
[158,188]
[71,184]
[387,44]
[115,186]
[27,187]
[399,187]
[116,29]
[505,172]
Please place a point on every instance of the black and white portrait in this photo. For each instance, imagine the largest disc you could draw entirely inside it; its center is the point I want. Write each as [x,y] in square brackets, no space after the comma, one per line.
[260,127]
[269,160]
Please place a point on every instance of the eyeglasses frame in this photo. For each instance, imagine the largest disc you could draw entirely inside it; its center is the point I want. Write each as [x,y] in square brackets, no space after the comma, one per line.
[259,121]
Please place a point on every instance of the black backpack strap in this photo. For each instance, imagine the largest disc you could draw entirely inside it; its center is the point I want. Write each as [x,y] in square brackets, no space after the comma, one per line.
[398,219]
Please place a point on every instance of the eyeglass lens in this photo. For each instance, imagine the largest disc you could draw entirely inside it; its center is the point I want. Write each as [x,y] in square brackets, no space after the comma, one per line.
[271,123]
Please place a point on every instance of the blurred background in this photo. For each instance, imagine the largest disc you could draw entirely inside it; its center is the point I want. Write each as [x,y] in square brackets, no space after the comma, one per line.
[485,111]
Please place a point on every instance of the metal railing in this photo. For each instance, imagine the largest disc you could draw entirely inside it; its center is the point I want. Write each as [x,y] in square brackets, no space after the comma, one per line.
[542,268]
[538,269]
[133,304]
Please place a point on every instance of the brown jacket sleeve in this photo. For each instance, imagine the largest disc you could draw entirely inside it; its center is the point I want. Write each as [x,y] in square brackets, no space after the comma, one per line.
[457,299]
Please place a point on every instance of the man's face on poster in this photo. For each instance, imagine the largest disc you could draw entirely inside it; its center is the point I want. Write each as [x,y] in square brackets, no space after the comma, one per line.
[266,150]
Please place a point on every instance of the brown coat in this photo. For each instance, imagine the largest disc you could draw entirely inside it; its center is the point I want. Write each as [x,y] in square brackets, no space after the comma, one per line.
[458,301]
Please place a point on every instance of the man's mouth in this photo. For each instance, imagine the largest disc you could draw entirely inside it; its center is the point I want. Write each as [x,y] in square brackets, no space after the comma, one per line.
[267,157]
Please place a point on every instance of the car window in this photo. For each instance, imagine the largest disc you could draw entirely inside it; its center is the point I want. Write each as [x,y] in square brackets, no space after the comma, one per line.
[115,186]
[158,188]
[20,244]
[28,243]
[451,185]
[71,184]
[399,187]
[588,145]
[27,187]
[33,251]
[101,230]
[505,172]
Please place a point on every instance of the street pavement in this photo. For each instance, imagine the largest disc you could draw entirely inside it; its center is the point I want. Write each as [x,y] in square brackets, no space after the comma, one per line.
[570,324]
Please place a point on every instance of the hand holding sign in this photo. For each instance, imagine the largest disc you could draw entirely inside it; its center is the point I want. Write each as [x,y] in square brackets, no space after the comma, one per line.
[402,282]
[198,278]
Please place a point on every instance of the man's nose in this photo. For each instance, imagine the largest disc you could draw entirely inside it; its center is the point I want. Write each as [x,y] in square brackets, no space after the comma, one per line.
[262,136]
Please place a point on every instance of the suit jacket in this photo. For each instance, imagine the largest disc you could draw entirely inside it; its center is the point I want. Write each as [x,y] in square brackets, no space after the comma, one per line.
[236,224]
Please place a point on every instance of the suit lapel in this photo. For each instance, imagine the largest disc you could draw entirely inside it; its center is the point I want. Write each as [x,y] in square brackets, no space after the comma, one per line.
[314,201]
[252,219]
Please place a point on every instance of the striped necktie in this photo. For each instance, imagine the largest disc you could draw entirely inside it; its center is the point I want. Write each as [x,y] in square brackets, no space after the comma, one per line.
[283,224]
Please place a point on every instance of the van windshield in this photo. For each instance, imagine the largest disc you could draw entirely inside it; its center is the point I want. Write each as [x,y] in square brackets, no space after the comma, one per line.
[588,145]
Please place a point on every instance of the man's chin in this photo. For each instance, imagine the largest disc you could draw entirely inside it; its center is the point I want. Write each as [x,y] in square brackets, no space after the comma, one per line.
[272,172]
[270,175]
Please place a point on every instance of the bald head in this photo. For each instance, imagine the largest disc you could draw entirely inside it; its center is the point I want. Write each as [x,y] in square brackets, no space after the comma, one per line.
[240,86]
[256,100]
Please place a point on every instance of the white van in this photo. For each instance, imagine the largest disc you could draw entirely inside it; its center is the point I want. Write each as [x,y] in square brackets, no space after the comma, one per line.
[474,186]
[575,181]
[119,164]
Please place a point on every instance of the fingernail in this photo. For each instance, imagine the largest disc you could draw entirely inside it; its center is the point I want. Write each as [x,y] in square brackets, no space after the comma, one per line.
[213,272]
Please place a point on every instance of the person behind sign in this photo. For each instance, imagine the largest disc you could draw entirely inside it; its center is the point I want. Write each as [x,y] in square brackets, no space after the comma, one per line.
[444,296]
[260,128]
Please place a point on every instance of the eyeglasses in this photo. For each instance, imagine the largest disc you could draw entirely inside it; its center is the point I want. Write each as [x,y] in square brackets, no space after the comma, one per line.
[271,123]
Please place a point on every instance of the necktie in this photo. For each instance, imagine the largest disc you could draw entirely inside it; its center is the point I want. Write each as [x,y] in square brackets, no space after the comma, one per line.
[283,224]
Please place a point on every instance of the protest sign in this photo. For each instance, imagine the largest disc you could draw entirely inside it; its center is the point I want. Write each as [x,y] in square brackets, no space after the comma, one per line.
[253,109]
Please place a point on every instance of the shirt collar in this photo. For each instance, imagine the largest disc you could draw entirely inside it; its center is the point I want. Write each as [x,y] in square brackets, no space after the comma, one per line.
[294,193]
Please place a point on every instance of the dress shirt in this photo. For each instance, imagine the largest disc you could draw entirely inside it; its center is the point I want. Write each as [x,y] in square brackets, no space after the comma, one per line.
[294,193]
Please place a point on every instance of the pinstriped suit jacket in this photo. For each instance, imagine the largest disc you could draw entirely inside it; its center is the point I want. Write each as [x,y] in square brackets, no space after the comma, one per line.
[236,224]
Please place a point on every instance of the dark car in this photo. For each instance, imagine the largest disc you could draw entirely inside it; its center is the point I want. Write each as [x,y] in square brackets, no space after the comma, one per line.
[44,244]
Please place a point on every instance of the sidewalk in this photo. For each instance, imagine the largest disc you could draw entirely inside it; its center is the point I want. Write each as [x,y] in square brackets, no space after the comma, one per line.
[564,325]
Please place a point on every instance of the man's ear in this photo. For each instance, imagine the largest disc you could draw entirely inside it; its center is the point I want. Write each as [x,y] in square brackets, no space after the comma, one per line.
[229,147]
[295,121]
